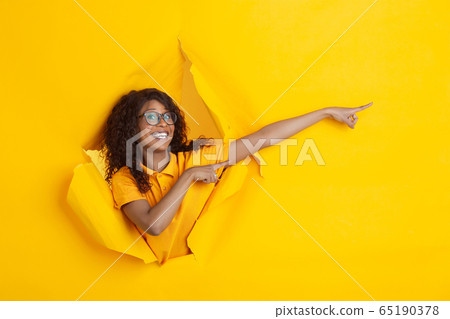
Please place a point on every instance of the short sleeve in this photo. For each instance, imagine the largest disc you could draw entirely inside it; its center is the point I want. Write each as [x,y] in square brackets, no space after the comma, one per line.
[124,189]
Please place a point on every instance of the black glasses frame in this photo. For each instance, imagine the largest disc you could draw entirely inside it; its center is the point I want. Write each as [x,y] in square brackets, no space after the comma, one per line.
[159,117]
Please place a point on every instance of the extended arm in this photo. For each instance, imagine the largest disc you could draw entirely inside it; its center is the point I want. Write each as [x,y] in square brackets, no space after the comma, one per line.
[286,128]
[283,129]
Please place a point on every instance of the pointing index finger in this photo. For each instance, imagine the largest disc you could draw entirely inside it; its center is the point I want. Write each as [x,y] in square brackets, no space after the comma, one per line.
[364,107]
[219,165]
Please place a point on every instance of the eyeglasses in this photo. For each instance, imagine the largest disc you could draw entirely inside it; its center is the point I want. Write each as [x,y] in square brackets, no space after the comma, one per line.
[153,118]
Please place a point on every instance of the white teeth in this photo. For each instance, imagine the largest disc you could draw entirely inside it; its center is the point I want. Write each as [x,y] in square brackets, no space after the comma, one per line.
[160,135]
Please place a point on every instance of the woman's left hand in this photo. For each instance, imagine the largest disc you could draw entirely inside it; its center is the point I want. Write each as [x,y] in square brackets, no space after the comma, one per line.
[346,114]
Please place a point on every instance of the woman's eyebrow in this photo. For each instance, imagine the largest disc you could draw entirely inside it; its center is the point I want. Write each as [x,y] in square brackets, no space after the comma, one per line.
[152,108]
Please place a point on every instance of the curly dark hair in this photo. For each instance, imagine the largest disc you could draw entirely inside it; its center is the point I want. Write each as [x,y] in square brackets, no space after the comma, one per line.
[122,124]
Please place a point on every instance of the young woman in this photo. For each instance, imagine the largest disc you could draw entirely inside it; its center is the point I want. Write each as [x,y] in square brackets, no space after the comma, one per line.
[147,163]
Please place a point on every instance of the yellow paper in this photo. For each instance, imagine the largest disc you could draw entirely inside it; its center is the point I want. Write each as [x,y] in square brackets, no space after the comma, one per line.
[90,197]
[371,223]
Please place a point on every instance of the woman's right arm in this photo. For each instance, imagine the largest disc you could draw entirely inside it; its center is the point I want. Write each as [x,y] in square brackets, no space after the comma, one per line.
[153,220]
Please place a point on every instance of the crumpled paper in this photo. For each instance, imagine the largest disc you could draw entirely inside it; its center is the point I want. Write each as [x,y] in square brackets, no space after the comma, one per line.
[91,198]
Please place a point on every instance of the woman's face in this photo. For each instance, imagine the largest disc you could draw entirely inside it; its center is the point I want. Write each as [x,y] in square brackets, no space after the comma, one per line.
[151,138]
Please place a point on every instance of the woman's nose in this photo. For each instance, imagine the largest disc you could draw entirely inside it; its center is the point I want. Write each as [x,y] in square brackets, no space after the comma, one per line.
[162,125]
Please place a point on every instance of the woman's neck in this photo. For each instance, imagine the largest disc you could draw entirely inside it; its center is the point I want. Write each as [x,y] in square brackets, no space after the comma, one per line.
[156,160]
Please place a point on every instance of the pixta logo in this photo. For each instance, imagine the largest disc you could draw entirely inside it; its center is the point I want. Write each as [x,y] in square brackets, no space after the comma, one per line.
[137,145]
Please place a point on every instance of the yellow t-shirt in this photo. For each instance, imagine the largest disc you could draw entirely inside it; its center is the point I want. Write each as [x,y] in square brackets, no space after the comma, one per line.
[172,242]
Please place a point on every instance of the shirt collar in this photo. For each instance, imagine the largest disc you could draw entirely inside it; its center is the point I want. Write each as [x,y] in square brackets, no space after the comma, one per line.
[170,169]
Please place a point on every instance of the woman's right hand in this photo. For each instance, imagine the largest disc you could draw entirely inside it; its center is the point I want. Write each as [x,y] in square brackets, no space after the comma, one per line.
[204,173]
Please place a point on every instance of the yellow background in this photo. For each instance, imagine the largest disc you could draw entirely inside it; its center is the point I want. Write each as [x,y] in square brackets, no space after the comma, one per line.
[372,223]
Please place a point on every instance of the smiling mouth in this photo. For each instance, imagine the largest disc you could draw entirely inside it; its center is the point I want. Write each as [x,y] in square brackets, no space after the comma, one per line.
[160,135]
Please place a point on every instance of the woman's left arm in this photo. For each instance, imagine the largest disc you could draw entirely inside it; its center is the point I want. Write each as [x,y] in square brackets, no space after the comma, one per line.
[286,128]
